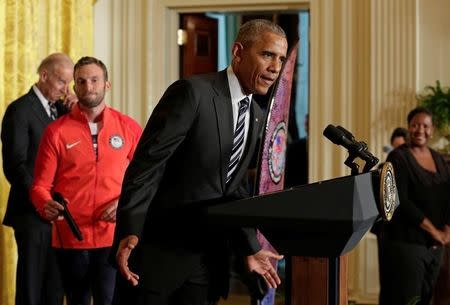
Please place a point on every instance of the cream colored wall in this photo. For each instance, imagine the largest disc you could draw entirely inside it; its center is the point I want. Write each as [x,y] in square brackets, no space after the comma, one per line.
[433,42]
[340,80]
[120,40]
[363,78]
[368,58]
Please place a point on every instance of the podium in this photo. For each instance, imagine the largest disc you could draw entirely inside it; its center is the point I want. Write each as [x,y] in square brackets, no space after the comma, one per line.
[324,219]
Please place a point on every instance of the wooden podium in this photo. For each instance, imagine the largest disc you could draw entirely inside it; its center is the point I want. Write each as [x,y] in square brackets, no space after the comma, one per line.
[325,219]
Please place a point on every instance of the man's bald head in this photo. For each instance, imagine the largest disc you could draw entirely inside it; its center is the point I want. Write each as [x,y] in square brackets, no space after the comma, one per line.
[51,62]
[55,74]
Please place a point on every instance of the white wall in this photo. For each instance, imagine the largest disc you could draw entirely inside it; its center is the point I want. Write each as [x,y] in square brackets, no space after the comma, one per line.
[433,42]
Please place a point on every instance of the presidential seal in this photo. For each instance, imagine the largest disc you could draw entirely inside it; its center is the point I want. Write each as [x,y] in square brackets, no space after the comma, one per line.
[388,191]
[277,152]
[116,141]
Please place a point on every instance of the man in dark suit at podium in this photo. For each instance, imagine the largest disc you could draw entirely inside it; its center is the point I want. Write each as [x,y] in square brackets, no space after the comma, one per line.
[37,281]
[195,150]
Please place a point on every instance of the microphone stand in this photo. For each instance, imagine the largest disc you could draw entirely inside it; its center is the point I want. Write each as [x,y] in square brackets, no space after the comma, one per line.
[334,264]
[370,160]
[353,165]
[341,136]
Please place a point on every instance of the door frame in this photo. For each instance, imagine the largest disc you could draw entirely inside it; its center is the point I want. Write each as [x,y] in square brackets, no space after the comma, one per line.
[163,60]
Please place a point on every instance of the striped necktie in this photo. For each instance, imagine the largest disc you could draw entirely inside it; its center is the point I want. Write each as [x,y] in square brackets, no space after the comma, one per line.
[53,111]
[238,142]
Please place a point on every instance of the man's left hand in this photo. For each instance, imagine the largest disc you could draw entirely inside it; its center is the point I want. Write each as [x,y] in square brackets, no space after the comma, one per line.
[109,214]
[260,263]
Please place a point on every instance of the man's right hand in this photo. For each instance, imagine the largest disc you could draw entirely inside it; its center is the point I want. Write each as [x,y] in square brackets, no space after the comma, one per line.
[52,210]
[126,245]
[70,100]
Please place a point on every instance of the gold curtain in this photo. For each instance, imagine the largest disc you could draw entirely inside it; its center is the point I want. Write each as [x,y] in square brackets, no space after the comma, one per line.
[29,31]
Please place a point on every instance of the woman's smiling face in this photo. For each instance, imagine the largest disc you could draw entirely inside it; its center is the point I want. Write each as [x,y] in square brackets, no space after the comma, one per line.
[420,129]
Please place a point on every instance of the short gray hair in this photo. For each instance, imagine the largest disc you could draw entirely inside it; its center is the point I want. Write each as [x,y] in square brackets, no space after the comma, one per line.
[253,29]
[53,60]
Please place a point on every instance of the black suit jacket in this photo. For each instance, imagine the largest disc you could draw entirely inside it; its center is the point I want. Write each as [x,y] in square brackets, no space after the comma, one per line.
[23,124]
[180,166]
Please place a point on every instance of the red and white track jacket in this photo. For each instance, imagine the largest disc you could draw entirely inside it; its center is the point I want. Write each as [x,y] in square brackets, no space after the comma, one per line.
[66,163]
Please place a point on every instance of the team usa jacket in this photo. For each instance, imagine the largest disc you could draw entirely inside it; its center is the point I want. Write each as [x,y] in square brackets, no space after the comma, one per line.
[67,163]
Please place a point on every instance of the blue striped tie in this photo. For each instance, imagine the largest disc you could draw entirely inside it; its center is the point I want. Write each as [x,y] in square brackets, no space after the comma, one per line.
[53,111]
[238,141]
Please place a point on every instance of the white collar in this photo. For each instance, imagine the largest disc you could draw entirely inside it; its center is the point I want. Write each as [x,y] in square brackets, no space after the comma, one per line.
[41,98]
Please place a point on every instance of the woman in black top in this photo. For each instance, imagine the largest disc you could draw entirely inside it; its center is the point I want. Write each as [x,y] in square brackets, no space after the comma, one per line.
[411,243]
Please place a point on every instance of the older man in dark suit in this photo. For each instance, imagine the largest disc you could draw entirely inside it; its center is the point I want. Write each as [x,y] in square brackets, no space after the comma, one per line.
[37,281]
[195,150]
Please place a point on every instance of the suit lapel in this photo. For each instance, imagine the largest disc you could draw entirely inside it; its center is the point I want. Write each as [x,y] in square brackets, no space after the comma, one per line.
[38,109]
[224,115]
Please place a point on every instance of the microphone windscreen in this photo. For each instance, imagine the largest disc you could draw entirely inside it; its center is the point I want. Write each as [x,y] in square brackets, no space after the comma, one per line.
[347,133]
[334,134]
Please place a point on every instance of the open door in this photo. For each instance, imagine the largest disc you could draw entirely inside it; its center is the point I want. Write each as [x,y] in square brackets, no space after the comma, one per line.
[199,53]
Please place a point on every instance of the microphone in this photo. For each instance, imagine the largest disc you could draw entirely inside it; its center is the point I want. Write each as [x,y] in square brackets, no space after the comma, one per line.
[341,136]
[67,216]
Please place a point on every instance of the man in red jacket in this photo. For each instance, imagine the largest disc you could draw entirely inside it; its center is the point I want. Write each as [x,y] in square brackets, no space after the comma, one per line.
[83,156]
